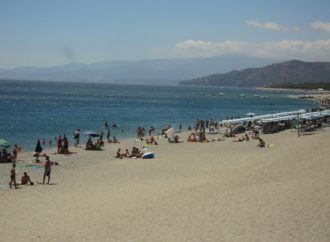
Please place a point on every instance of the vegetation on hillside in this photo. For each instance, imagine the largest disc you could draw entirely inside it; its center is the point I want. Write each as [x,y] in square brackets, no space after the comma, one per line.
[293,72]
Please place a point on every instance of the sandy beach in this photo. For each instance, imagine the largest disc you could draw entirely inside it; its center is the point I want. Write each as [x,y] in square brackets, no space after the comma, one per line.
[217,191]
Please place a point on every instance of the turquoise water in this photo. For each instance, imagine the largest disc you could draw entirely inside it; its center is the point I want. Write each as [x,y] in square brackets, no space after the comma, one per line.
[35,110]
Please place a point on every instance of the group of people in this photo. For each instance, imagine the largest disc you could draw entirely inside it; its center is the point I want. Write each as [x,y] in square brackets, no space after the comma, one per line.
[6,157]
[62,145]
[201,125]
[91,146]
[193,137]
[135,153]
[25,179]
[99,143]
[140,132]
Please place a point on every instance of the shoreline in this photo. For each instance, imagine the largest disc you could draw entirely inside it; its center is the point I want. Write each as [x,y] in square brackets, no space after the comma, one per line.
[31,124]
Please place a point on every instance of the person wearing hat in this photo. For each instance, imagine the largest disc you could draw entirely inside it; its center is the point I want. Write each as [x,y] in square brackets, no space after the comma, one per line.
[48,169]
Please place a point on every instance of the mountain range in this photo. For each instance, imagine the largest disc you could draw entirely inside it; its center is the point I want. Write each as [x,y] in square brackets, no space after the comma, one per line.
[294,72]
[153,71]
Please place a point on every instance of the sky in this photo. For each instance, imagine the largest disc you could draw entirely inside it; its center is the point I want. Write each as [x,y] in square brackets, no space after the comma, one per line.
[47,33]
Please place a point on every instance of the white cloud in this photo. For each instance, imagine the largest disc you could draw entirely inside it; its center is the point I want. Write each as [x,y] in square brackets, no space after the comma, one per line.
[318,50]
[267,25]
[297,30]
[226,47]
[324,26]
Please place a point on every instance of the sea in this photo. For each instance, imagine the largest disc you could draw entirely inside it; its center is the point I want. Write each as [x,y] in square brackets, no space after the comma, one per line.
[32,110]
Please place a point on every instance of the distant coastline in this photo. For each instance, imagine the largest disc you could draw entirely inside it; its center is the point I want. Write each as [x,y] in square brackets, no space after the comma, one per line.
[321,86]
[297,90]
[322,97]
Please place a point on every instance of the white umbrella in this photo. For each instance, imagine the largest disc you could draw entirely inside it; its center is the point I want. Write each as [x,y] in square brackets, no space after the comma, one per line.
[91,133]
[4,144]
[170,132]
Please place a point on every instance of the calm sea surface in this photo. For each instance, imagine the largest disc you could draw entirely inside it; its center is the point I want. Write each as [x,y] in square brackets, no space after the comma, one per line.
[35,110]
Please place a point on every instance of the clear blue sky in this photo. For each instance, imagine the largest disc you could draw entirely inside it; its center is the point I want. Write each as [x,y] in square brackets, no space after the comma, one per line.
[45,33]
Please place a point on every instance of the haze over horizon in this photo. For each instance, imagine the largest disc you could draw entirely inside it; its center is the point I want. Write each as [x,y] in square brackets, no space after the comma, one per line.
[44,33]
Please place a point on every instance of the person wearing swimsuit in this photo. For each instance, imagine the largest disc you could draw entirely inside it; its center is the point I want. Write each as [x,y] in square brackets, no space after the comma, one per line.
[13,177]
[48,169]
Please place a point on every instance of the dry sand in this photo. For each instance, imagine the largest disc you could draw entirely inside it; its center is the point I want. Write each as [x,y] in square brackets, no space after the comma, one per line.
[218,191]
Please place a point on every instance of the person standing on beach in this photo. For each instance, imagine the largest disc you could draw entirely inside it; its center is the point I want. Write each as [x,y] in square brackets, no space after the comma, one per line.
[16,150]
[48,170]
[65,145]
[14,156]
[59,144]
[107,130]
[76,136]
[13,176]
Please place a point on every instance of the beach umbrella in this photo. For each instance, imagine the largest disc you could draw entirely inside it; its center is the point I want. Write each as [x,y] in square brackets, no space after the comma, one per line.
[170,132]
[38,148]
[91,133]
[4,144]
[250,114]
